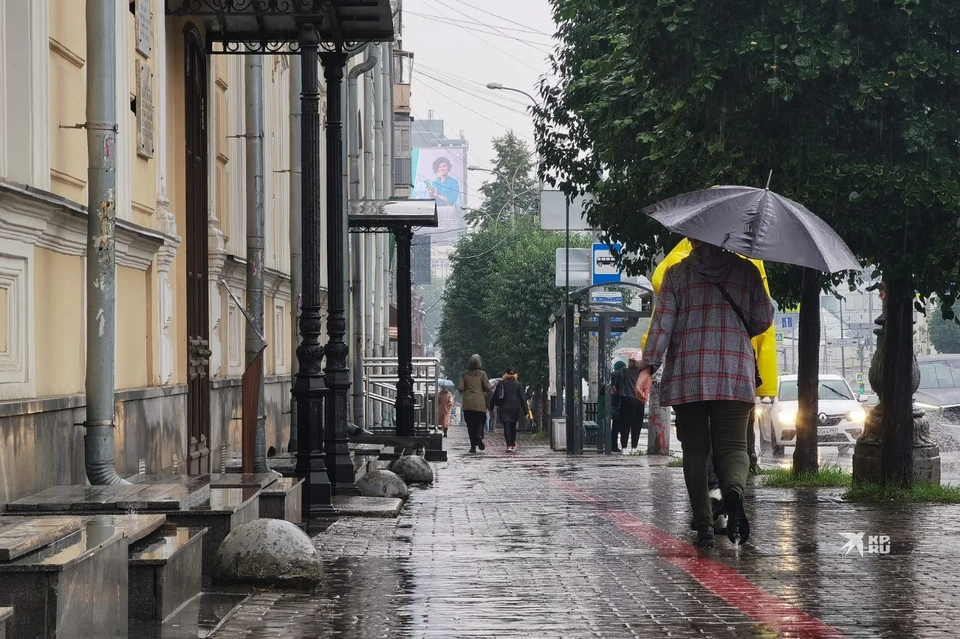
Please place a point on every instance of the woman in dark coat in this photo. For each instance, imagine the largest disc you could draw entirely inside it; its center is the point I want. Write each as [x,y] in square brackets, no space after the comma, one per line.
[512,402]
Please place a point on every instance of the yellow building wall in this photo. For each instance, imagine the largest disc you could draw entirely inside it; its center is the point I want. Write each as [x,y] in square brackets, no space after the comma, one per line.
[132,328]
[143,172]
[59,321]
[269,359]
[176,179]
[68,147]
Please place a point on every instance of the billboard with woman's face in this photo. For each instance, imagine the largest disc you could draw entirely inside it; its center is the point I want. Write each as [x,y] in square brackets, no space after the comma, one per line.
[440,174]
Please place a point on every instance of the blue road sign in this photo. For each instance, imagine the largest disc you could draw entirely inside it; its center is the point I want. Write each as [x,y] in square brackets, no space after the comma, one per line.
[786,322]
[605,270]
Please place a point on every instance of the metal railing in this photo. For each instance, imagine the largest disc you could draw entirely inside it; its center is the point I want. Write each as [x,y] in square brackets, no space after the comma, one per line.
[380,377]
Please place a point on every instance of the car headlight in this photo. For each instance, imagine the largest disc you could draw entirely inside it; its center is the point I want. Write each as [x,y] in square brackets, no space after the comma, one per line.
[788,417]
[759,411]
[857,415]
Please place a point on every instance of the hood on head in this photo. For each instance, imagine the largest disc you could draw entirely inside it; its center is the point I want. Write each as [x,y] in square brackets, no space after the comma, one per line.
[475,363]
[711,262]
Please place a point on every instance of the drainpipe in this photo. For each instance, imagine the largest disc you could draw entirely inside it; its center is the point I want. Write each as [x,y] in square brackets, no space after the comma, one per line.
[296,255]
[356,239]
[374,189]
[387,180]
[101,129]
[254,346]
[370,253]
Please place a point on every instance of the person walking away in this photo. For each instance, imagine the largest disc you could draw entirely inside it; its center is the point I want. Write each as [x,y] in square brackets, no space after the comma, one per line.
[474,385]
[444,408]
[615,414]
[631,409]
[711,305]
[512,404]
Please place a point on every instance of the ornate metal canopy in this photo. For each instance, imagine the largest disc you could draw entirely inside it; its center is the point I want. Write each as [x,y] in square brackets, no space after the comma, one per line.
[376,215]
[271,26]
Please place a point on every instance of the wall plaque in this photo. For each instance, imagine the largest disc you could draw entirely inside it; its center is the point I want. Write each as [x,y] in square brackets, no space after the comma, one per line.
[144,110]
[144,14]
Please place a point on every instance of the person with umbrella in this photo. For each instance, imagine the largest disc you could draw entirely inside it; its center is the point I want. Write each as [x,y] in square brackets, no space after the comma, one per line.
[711,305]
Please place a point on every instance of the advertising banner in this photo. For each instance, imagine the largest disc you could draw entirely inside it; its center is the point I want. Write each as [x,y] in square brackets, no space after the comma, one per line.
[440,173]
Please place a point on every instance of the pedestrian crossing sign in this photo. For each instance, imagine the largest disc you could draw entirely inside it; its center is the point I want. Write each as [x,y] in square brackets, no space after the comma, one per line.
[779,337]
[860,378]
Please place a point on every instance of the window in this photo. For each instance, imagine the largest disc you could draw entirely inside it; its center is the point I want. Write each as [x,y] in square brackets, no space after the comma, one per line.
[940,374]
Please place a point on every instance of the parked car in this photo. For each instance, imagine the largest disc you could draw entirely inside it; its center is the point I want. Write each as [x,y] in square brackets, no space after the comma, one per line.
[939,391]
[839,423]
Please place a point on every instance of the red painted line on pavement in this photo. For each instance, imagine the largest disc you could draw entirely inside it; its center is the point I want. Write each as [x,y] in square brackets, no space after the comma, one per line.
[721,580]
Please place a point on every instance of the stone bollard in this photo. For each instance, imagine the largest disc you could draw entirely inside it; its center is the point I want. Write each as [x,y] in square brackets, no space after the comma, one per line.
[268,553]
[413,469]
[383,483]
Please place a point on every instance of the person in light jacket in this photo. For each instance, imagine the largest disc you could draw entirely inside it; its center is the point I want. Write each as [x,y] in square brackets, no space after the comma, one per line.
[512,405]
[711,305]
[474,384]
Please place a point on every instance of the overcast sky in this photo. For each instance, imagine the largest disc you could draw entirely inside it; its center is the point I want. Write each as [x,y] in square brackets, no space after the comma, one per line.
[461,45]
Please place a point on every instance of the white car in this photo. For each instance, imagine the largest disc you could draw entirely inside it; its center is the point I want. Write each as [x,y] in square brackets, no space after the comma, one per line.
[839,423]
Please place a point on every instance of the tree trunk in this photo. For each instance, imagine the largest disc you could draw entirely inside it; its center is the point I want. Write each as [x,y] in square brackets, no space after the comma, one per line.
[805,458]
[896,448]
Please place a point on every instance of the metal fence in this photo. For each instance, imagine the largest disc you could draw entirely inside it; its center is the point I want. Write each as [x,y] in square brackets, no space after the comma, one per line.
[380,377]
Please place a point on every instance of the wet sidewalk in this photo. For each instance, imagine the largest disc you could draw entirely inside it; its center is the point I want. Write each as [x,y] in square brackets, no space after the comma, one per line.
[534,544]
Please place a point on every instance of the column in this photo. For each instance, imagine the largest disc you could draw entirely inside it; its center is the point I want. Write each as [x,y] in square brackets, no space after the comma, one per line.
[405,400]
[310,389]
[339,464]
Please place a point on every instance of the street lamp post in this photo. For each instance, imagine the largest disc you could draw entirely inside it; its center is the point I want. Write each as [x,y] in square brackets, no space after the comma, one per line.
[496,86]
[509,183]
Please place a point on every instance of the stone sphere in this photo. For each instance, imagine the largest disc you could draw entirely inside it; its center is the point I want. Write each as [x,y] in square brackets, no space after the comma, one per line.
[383,483]
[268,552]
[414,469]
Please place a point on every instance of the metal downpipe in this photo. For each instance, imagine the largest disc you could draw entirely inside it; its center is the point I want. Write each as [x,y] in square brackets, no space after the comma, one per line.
[357,254]
[254,347]
[101,126]
[296,250]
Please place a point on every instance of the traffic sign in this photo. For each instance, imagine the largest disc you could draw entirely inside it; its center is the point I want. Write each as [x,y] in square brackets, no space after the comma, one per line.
[779,337]
[846,342]
[606,297]
[859,378]
[786,322]
[862,389]
[605,269]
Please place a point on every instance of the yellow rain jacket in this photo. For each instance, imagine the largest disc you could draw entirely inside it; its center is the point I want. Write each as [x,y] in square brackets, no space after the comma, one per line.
[765,346]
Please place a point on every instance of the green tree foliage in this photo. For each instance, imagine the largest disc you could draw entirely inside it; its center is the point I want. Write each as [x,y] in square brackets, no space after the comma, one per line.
[499,298]
[511,184]
[944,333]
[852,104]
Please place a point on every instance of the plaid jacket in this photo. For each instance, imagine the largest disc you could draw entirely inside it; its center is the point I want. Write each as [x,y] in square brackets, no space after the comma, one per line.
[705,351]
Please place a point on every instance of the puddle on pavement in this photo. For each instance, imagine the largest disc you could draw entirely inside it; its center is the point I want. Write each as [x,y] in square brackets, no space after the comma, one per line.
[199,618]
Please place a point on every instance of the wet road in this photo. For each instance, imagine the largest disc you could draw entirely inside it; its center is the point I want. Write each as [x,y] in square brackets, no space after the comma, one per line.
[536,545]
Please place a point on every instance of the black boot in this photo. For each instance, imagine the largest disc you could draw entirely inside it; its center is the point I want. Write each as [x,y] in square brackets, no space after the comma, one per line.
[705,537]
[738,527]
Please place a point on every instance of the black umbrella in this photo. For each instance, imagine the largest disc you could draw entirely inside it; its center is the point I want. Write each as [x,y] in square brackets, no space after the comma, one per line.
[756,223]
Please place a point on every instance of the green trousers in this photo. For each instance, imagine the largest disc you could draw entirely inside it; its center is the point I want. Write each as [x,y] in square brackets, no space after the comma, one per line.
[717,428]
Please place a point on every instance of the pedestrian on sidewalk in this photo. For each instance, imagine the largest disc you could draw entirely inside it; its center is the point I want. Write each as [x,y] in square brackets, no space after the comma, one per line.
[615,414]
[711,305]
[444,408]
[631,409]
[512,406]
[474,385]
